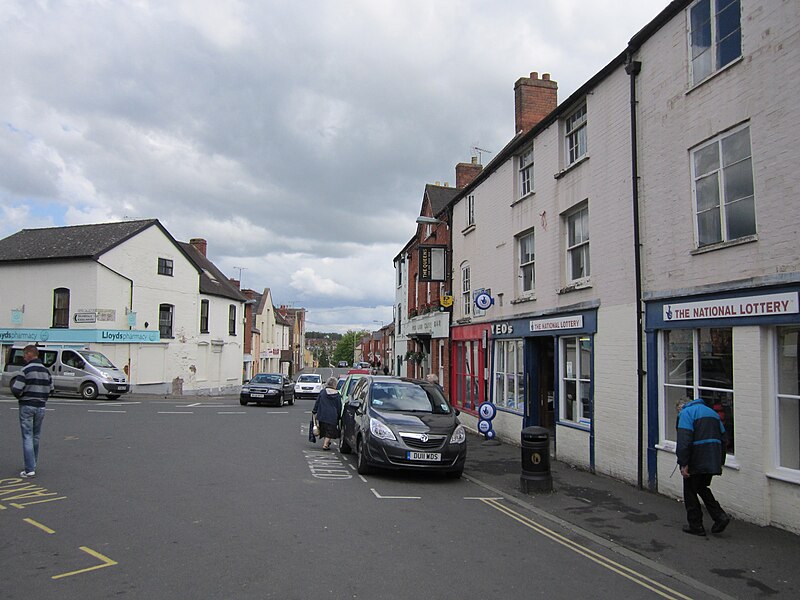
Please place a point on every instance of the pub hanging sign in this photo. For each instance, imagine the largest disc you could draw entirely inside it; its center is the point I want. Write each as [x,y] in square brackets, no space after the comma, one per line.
[432,263]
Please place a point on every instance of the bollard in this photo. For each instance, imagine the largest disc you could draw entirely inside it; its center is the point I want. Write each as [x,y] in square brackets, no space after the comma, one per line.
[536,475]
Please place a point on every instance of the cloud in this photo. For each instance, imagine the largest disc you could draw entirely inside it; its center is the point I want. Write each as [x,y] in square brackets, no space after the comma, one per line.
[297,138]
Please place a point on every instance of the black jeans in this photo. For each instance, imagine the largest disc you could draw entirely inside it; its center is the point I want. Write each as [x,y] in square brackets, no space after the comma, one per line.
[694,486]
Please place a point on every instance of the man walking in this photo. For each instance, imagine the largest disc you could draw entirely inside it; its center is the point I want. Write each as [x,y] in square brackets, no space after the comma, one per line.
[701,454]
[31,386]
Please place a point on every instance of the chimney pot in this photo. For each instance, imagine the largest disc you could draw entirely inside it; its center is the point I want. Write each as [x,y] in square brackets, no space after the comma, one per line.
[199,244]
[546,76]
[534,75]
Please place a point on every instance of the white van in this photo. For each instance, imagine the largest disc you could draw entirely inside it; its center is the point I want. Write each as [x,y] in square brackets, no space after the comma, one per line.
[76,371]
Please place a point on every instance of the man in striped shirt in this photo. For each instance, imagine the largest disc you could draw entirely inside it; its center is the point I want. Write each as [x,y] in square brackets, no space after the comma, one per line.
[31,386]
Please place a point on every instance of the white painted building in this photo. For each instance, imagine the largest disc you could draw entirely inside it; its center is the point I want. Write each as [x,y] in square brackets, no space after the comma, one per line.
[401,262]
[274,336]
[718,119]
[544,237]
[157,308]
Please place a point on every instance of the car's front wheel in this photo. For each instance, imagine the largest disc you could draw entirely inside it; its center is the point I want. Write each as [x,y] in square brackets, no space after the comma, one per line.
[361,461]
[89,391]
[291,400]
[280,401]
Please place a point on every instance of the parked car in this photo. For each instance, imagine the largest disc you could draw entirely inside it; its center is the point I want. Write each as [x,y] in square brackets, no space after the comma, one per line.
[268,388]
[308,385]
[402,423]
[74,371]
[342,364]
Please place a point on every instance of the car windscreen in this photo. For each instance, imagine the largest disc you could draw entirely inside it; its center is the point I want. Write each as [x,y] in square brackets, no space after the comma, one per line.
[309,379]
[98,360]
[408,397]
[273,379]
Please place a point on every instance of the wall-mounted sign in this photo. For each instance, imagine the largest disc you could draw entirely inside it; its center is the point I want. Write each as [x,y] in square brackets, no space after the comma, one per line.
[483,301]
[575,322]
[747,306]
[16,317]
[431,263]
[85,317]
[446,301]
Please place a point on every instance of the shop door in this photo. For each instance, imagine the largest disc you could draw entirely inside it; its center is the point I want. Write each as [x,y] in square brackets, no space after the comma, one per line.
[540,381]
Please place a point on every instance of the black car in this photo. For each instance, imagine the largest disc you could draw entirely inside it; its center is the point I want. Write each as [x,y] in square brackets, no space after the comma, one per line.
[401,423]
[268,388]
[342,363]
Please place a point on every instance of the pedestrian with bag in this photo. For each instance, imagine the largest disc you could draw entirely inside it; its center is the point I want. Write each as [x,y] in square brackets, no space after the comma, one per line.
[701,453]
[327,410]
[32,386]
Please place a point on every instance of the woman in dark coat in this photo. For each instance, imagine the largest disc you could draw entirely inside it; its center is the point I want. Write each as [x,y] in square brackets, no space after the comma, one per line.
[327,410]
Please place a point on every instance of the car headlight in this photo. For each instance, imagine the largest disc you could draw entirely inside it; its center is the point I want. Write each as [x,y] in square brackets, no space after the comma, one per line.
[272,391]
[459,435]
[380,430]
[245,390]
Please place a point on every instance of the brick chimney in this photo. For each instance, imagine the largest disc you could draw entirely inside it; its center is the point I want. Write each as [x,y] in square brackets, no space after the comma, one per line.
[467,172]
[534,99]
[199,244]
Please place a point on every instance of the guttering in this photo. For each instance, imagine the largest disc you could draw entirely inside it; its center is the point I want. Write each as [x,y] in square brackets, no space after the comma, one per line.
[633,68]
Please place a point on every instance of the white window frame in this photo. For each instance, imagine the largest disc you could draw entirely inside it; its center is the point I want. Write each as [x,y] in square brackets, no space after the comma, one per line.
[526,264]
[581,245]
[569,372]
[509,375]
[705,60]
[466,290]
[668,414]
[166,329]
[470,210]
[525,179]
[575,141]
[719,176]
[790,473]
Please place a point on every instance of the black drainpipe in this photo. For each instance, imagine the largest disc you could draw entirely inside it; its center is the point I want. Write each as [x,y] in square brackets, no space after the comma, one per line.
[632,68]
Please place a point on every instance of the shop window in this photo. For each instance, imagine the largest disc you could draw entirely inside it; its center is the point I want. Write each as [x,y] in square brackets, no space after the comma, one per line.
[467,381]
[698,363]
[788,400]
[576,380]
[509,375]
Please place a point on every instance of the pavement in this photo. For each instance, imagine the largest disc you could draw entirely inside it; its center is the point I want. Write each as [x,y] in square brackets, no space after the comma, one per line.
[745,561]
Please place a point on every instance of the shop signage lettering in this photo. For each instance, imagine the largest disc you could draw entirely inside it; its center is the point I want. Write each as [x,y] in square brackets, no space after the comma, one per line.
[556,324]
[502,328]
[752,306]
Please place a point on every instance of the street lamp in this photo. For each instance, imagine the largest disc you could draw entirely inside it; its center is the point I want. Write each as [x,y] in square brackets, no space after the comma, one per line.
[428,220]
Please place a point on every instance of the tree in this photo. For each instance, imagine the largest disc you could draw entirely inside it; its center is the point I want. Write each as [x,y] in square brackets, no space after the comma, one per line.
[324,359]
[345,349]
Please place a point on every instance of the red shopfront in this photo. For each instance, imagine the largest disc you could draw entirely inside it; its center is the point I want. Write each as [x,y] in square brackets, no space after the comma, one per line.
[469,376]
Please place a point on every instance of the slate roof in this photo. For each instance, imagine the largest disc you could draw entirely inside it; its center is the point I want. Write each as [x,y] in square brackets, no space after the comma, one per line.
[212,281]
[440,196]
[77,241]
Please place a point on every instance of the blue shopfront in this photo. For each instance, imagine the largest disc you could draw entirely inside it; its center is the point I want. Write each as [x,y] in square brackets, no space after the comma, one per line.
[542,369]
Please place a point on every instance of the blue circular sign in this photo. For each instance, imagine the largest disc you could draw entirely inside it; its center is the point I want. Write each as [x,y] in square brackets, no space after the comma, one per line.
[484,426]
[487,411]
[483,301]
[490,434]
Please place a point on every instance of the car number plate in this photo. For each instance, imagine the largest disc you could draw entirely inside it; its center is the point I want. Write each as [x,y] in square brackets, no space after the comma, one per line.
[429,456]
[256,395]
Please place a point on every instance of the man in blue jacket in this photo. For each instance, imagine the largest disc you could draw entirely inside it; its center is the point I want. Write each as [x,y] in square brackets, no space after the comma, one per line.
[31,386]
[701,454]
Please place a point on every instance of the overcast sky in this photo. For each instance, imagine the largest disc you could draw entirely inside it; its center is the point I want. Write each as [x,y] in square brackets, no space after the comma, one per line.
[296,137]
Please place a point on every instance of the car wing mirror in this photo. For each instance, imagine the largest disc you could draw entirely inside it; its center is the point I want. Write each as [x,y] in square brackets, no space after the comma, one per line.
[458,412]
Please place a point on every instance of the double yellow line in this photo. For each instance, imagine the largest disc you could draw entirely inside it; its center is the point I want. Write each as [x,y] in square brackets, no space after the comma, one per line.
[601,560]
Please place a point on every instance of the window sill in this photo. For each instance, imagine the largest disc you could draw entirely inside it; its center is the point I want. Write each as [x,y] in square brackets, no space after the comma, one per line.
[580,284]
[525,197]
[785,475]
[713,75]
[524,299]
[569,168]
[468,229]
[573,425]
[722,245]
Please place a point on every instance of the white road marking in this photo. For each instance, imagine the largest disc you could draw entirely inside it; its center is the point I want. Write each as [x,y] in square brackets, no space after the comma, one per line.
[167,412]
[377,495]
[231,412]
[107,411]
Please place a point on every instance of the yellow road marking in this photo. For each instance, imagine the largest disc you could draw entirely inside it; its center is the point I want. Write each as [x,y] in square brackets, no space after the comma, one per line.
[601,560]
[39,525]
[106,562]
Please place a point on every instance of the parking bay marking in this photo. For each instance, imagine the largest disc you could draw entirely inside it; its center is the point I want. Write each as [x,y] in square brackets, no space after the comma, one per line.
[16,488]
[105,562]
[324,465]
[377,495]
[44,528]
[596,557]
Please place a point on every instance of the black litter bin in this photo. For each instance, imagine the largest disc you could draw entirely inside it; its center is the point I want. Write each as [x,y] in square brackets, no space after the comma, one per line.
[536,476]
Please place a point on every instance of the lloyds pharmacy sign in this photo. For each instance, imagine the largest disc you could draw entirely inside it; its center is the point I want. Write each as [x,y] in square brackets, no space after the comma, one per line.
[747,306]
[84,336]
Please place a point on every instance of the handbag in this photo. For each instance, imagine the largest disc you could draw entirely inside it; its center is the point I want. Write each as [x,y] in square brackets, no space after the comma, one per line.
[313,431]
[315,428]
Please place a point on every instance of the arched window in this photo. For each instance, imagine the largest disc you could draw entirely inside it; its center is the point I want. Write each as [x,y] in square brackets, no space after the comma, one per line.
[61,307]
